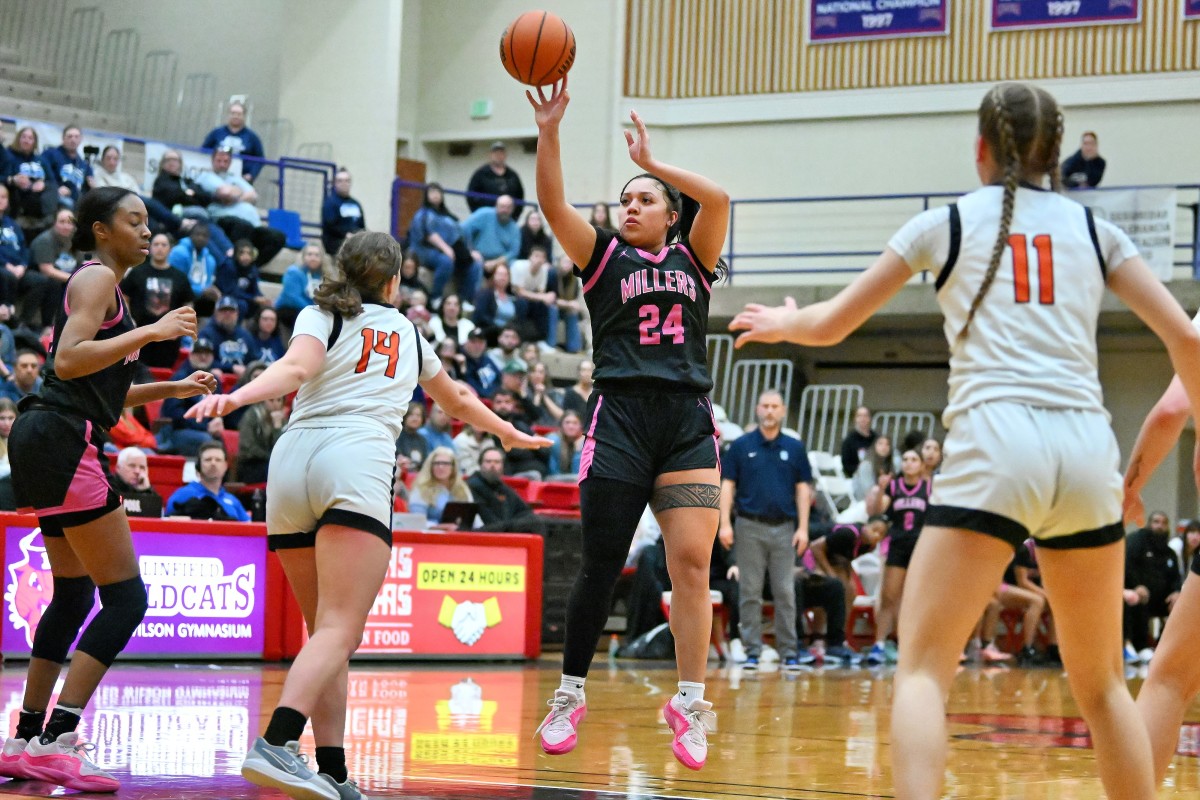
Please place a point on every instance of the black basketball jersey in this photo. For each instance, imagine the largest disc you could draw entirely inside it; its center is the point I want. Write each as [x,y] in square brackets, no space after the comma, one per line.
[649,316]
[909,503]
[100,396]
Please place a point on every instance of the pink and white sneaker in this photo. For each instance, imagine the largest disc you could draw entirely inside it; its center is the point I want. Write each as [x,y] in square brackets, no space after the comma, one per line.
[64,762]
[691,725]
[12,765]
[558,729]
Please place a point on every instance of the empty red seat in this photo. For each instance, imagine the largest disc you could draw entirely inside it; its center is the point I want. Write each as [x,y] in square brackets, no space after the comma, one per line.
[559,495]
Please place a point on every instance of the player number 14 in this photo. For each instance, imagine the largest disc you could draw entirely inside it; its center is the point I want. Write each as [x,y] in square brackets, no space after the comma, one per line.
[672,326]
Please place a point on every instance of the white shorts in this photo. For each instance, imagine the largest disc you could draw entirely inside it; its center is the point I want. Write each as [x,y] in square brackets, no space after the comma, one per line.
[338,476]
[1013,471]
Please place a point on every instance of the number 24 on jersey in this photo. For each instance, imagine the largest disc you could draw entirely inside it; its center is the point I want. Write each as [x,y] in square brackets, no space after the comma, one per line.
[672,325]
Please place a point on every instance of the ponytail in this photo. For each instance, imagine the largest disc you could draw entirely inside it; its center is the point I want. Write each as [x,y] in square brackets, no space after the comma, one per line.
[1023,127]
[365,263]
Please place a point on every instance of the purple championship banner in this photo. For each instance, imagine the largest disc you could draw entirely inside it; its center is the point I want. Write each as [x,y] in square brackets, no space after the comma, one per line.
[1191,9]
[207,594]
[1019,14]
[857,20]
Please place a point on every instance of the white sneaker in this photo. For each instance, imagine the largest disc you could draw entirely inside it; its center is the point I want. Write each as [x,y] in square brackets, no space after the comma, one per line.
[768,655]
[1145,655]
[558,730]
[64,762]
[691,725]
[736,651]
[12,765]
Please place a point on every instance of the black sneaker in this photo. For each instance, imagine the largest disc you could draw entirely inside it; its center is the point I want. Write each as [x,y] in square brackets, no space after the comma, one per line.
[1028,657]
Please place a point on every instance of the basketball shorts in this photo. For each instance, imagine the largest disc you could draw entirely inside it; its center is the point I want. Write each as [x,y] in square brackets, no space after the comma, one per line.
[1013,471]
[329,476]
[900,551]
[59,469]
[637,437]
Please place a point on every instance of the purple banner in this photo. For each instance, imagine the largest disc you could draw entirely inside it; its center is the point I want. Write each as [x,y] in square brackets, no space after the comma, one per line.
[1191,9]
[1013,14]
[207,594]
[848,20]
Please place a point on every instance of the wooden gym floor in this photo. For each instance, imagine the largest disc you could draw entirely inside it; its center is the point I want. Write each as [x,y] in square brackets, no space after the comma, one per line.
[465,731]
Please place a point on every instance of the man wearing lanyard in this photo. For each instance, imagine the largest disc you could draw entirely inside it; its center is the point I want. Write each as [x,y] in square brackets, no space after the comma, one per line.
[766,480]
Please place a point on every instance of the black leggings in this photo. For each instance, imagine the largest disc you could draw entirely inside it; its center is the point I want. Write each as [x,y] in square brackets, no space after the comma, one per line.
[610,512]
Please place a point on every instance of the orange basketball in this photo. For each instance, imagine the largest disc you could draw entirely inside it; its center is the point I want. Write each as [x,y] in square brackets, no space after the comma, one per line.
[538,48]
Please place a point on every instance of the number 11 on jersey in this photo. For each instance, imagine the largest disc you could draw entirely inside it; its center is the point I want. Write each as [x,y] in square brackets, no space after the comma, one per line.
[671,326]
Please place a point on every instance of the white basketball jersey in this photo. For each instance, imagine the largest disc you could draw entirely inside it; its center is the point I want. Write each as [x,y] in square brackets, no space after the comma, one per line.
[370,369]
[1033,339]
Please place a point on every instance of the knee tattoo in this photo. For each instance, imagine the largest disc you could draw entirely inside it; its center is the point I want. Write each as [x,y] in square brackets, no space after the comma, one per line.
[685,495]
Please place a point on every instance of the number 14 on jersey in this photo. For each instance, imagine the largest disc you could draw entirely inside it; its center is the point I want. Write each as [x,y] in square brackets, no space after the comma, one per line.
[672,325]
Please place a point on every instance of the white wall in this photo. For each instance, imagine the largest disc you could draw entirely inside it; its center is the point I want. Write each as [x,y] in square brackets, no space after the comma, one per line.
[237,41]
[340,83]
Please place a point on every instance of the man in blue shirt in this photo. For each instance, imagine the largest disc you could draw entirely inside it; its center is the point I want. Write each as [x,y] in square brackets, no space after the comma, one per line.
[68,168]
[493,235]
[233,345]
[437,429]
[234,209]
[239,140]
[341,215]
[480,370]
[207,498]
[766,479]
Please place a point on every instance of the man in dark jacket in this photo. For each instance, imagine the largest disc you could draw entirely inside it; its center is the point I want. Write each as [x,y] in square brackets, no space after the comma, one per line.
[500,508]
[1152,583]
[1085,168]
[495,178]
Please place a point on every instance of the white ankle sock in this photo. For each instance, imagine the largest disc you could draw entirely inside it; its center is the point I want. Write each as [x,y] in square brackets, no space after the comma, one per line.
[690,691]
[572,684]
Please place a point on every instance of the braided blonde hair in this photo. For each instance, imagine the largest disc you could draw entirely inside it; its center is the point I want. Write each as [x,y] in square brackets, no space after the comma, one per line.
[1023,127]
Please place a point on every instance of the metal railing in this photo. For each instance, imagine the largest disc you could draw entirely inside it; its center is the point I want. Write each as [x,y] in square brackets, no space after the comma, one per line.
[294,184]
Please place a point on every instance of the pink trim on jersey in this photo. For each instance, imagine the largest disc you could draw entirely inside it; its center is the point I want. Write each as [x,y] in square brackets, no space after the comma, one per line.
[599,269]
[104,325]
[89,488]
[903,487]
[589,447]
[716,433]
[654,259]
[701,272]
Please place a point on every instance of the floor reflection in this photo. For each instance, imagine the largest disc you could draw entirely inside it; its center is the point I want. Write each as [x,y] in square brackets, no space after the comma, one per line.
[466,731]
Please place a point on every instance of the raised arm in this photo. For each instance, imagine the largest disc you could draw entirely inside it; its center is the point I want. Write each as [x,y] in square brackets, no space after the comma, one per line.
[707,236]
[460,403]
[303,359]
[830,321]
[576,236]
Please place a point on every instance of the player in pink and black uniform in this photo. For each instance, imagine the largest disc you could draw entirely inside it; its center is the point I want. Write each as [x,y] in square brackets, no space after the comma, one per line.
[59,470]
[904,500]
[651,437]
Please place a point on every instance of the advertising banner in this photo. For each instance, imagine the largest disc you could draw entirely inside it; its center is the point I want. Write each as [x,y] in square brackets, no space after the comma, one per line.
[207,594]
[1146,215]
[450,601]
[850,20]
[1016,14]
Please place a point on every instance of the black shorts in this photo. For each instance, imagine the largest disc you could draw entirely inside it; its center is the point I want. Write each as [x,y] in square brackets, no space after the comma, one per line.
[635,438]
[1196,563]
[59,469]
[900,551]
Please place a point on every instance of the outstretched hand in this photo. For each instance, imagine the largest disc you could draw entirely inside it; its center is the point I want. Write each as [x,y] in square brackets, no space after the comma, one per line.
[639,148]
[215,405]
[523,441]
[1134,508]
[548,111]
[767,324]
[199,382]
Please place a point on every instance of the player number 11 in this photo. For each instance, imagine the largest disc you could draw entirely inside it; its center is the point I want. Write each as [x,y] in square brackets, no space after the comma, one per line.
[671,326]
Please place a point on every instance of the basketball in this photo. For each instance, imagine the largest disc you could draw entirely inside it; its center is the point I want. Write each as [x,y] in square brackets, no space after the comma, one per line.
[538,48]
